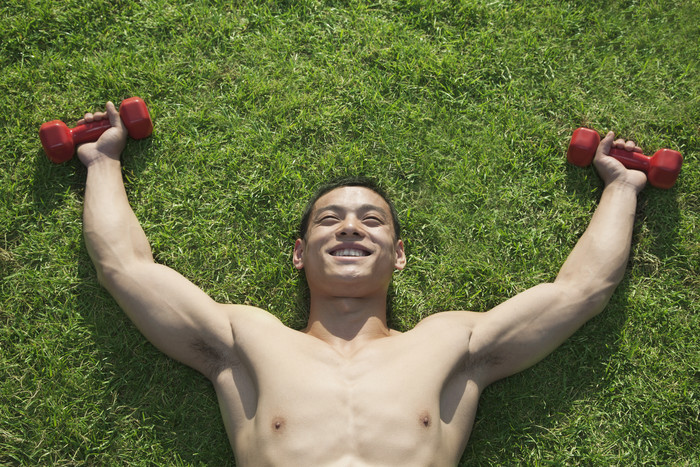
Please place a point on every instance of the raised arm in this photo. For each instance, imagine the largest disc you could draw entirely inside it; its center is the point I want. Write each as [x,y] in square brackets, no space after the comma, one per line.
[524,329]
[175,315]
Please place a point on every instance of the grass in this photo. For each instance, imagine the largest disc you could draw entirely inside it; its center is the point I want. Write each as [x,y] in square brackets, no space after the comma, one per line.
[462,109]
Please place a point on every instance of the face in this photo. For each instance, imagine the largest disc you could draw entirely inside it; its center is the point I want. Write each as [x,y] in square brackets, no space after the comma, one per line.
[350,242]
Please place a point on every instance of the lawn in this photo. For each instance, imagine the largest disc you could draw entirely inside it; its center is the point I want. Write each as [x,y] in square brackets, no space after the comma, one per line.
[462,109]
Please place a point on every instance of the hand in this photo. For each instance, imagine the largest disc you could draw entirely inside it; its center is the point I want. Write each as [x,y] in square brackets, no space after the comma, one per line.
[110,144]
[611,170]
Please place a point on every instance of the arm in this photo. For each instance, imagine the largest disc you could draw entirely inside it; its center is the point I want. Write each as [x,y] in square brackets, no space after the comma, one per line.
[524,329]
[174,314]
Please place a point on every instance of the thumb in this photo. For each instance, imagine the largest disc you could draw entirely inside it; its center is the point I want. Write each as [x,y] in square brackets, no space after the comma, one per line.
[113,116]
[605,144]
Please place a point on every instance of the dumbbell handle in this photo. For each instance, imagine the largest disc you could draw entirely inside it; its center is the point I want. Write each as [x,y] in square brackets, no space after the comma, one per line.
[631,159]
[88,132]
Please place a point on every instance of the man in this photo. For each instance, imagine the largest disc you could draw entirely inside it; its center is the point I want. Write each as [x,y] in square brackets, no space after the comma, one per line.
[347,390]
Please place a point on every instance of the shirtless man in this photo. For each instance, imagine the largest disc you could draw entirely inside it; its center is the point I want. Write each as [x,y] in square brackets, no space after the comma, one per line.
[347,390]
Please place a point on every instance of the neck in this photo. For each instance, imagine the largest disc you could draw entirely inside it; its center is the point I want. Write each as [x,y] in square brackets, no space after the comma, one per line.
[346,323]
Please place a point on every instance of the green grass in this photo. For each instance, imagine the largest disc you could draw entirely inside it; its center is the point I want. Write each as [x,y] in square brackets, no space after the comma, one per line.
[463,110]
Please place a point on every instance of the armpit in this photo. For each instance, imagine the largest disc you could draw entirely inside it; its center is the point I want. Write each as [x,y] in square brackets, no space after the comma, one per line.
[475,361]
[215,359]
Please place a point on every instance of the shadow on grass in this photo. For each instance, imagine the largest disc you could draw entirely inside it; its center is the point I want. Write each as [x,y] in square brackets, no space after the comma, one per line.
[657,209]
[50,179]
[515,412]
[156,410]
[161,404]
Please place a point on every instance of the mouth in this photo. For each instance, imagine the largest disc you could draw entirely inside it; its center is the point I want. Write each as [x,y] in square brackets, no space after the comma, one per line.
[350,252]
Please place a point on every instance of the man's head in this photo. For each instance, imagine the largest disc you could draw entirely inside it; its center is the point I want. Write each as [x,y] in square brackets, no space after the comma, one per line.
[344,182]
[349,239]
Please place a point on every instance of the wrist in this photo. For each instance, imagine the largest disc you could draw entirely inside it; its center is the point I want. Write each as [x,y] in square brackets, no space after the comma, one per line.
[623,185]
[100,160]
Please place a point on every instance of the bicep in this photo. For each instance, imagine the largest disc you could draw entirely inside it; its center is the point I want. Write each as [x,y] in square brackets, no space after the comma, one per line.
[523,330]
[174,314]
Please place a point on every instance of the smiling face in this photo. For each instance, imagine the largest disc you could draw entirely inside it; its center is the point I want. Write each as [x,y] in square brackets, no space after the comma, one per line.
[350,247]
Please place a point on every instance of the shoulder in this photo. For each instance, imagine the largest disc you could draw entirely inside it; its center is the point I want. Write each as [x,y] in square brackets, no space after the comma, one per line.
[248,312]
[456,331]
[449,328]
[447,319]
[245,318]
[243,326]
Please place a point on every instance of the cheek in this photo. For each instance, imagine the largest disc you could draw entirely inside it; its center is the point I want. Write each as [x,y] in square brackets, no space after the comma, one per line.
[311,254]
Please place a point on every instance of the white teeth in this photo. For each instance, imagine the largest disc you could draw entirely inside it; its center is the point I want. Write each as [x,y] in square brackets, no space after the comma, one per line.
[349,252]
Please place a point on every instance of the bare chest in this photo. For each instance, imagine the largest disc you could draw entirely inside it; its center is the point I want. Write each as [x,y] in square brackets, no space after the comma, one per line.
[389,404]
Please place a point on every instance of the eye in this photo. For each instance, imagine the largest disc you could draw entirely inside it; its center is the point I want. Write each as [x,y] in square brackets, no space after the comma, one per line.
[327,219]
[373,220]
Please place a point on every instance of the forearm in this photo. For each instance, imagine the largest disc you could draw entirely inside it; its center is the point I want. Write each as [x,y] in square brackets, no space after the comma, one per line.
[598,262]
[112,233]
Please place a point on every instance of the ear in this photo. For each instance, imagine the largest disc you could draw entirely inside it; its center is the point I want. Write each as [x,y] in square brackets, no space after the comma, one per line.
[400,262]
[298,258]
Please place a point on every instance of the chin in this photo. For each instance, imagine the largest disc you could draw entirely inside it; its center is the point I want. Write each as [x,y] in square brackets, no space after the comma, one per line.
[356,286]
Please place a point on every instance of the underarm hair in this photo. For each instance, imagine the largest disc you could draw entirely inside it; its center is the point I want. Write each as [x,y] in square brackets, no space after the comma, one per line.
[216,360]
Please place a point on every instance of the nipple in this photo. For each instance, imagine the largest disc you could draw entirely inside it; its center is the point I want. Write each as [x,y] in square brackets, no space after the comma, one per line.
[278,424]
[424,419]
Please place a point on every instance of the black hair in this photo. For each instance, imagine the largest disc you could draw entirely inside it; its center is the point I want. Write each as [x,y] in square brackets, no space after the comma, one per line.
[343,182]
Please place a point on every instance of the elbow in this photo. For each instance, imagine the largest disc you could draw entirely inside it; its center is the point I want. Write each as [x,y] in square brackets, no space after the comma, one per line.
[112,264]
[111,275]
[591,297]
[593,285]
[108,276]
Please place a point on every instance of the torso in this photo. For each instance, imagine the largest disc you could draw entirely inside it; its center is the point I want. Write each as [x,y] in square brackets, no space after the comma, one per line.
[290,399]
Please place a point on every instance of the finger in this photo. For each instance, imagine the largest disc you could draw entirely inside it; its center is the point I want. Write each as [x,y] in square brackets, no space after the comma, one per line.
[92,117]
[96,117]
[626,145]
[619,143]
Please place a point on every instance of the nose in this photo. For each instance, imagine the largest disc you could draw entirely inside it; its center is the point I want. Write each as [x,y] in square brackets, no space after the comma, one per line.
[350,227]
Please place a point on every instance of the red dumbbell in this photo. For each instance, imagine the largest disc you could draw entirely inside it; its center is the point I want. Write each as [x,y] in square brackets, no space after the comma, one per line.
[59,141]
[662,168]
